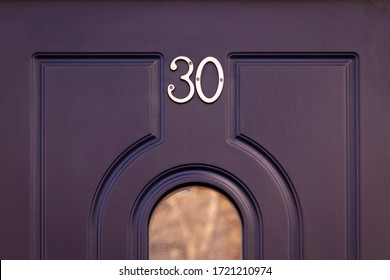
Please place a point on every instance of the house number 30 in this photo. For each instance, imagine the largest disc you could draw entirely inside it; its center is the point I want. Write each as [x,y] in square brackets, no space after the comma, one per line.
[198,78]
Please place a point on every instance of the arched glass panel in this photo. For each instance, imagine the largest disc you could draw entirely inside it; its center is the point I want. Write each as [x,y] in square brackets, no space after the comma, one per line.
[195,223]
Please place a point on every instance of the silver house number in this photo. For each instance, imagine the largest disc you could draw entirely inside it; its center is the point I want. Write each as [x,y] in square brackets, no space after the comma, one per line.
[198,79]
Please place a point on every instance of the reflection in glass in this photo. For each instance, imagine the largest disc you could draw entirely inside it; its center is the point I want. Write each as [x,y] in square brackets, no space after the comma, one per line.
[195,223]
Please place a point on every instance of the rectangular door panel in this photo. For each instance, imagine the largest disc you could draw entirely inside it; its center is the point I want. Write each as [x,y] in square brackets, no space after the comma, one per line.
[302,108]
[88,109]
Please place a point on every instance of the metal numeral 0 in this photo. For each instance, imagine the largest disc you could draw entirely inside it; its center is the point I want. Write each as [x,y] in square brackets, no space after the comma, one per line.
[198,79]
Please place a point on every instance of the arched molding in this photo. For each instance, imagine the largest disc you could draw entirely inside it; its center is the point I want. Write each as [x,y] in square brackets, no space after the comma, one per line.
[195,174]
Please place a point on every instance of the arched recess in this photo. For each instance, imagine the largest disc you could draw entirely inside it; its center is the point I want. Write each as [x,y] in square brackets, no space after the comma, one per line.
[270,216]
[204,175]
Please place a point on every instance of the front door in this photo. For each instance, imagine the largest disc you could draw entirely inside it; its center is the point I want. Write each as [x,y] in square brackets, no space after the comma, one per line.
[278,110]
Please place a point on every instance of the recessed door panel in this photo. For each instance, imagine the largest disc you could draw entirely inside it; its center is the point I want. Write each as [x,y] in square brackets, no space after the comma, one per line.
[87,111]
[302,108]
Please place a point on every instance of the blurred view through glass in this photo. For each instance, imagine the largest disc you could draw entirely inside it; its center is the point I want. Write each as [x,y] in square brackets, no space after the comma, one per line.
[195,223]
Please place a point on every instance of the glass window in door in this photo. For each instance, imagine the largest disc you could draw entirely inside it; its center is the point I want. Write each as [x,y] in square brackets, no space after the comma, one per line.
[195,223]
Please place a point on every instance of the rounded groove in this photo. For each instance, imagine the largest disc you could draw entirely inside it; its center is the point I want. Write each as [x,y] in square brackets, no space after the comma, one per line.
[105,187]
[286,187]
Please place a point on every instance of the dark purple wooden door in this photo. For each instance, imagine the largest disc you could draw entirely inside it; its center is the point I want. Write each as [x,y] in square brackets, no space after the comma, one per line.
[298,139]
